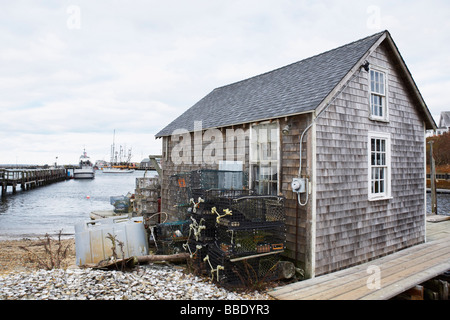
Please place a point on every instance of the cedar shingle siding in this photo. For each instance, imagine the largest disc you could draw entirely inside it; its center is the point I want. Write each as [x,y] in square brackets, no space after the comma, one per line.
[349,228]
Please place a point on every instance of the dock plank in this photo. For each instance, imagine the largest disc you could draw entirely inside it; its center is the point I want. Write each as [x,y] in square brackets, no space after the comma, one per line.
[399,271]
[336,279]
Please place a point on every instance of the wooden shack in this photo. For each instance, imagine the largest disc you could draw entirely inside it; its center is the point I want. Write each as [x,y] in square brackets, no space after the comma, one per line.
[360,120]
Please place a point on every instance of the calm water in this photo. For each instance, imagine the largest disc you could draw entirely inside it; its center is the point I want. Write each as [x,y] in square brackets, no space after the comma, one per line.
[58,206]
[443,203]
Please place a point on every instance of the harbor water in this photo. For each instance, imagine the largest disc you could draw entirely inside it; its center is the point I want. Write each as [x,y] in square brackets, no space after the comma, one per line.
[59,206]
[443,202]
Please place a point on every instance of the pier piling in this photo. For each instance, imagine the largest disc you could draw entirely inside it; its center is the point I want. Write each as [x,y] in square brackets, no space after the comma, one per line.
[29,178]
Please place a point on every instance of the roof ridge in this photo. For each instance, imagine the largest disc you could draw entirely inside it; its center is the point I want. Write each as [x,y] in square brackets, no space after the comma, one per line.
[378,34]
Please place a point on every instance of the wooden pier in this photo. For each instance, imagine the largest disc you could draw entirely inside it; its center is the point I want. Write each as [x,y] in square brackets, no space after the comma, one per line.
[29,178]
[398,272]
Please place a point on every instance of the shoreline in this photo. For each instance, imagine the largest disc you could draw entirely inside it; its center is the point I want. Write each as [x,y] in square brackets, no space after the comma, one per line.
[15,259]
[35,237]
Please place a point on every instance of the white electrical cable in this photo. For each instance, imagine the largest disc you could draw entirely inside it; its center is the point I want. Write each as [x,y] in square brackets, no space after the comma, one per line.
[314,121]
[298,196]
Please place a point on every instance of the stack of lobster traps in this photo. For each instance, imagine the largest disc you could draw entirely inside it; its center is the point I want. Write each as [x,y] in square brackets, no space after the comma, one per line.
[147,195]
[234,236]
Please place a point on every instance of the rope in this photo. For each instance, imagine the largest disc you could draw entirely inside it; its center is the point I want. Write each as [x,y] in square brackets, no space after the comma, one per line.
[228,212]
[196,227]
[217,269]
[197,247]
[196,204]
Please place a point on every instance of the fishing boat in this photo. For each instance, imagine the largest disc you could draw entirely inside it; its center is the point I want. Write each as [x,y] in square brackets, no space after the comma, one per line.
[120,160]
[85,169]
[117,170]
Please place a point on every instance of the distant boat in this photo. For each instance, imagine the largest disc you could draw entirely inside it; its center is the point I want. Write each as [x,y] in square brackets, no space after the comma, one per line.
[85,169]
[120,160]
[117,170]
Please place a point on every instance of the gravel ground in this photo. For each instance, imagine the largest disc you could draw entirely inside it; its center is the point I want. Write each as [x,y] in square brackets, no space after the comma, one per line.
[150,282]
[22,279]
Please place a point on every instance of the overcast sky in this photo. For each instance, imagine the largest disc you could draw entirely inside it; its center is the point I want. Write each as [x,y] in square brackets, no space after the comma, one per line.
[72,72]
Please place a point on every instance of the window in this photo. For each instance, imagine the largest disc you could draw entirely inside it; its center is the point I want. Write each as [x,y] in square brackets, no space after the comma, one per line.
[379,166]
[378,101]
[264,154]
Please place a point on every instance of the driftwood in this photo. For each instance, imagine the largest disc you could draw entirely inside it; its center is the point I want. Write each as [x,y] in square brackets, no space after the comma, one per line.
[116,264]
[157,257]
[132,261]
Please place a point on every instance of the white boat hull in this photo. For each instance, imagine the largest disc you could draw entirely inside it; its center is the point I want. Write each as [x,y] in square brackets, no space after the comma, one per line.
[85,170]
[118,171]
[83,174]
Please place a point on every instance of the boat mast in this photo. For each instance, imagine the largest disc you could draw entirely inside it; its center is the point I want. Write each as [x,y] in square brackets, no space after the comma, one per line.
[113,147]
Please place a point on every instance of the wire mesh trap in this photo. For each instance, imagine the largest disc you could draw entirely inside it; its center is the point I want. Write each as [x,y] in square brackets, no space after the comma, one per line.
[239,242]
[170,236]
[232,235]
[251,272]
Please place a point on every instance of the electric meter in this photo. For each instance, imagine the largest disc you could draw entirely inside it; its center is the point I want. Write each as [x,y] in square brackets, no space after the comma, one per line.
[299,185]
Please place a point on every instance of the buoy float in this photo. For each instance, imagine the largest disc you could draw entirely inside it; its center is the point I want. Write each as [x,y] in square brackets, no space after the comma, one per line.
[88,197]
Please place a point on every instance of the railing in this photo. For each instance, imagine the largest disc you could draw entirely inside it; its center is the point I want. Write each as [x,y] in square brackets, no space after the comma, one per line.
[440,176]
[29,178]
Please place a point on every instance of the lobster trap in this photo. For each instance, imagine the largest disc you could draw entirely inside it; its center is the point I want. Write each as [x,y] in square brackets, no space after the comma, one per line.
[236,242]
[180,191]
[249,211]
[203,228]
[121,204]
[170,236]
[248,272]
[197,252]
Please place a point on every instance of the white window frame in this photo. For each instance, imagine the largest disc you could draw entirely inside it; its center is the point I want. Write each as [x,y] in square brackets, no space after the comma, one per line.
[383,95]
[254,162]
[386,194]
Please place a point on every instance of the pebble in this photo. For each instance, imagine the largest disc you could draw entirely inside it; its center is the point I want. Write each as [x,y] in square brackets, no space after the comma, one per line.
[148,282]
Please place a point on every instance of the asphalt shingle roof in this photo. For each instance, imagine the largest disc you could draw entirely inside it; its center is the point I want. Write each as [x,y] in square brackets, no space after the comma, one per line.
[295,88]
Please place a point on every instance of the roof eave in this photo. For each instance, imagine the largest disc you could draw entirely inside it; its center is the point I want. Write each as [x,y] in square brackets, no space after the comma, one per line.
[247,123]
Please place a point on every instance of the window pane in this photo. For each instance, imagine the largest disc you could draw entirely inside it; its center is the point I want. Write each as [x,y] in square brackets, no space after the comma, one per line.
[377,82]
[372,81]
[376,105]
[264,158]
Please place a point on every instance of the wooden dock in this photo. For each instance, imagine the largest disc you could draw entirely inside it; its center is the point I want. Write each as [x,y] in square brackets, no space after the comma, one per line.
[29,178]
[398,272]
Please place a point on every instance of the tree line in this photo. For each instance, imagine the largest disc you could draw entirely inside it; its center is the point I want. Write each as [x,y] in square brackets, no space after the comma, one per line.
[441,149]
